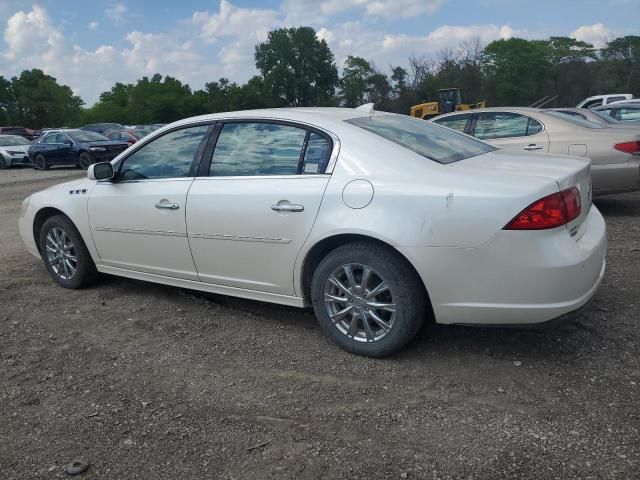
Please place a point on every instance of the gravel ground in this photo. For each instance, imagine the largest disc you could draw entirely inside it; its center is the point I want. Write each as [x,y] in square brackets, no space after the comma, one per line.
[153,382]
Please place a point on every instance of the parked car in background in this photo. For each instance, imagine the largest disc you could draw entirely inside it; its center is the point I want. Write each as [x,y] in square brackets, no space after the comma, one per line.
[73,147]
[101,127]
[145,130]
[613,152]
[633,100]
[20,131]
[598,100]
[623,112]
[128,136]
[379,221]
[14,151]
[593,115]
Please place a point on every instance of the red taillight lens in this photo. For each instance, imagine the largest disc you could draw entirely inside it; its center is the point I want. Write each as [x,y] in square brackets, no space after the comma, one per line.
[632,148]
[551,211]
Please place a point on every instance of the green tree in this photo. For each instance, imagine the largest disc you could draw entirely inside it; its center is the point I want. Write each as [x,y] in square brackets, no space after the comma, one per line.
[354,83]
[37,100]
[517,71]
[621,64]
[297,67]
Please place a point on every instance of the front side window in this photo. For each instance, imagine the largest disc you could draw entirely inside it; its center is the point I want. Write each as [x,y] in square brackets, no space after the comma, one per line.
[492,125]
[49,139]
[626,114]
[457,122]
[260,149]
[593,103]
[169,156]
[432,141]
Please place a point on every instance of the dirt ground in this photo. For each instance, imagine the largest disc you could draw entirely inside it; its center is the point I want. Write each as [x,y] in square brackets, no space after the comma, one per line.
[154,382]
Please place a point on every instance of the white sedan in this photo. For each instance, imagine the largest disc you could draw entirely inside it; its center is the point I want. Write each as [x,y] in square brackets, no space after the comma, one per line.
[614,152]
[377,221]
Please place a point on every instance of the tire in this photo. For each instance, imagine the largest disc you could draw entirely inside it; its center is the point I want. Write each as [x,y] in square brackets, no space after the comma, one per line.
[405,293]
[40,162]
[62,271]
[85,159]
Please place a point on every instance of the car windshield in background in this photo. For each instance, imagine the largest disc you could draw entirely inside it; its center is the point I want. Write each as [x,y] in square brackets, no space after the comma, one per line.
[578,121]
[87,136]
[12,140]
[605,117]
[434,142]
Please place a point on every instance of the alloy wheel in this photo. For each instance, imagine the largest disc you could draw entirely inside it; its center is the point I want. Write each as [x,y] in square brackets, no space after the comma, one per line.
[360,302]
[61,253]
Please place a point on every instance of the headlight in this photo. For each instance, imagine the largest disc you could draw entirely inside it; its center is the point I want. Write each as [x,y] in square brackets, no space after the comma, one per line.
[25,205]
[97,149]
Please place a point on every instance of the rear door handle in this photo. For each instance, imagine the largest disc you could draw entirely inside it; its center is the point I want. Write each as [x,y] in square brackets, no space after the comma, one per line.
[287,207]
[164,205]
[533,146]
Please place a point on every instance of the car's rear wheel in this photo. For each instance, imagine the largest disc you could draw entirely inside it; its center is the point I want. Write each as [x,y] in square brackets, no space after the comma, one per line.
[40,162]
[368,299]
[85,159]
[65,254]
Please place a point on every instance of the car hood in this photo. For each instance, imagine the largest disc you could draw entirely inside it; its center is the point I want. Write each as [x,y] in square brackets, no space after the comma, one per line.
[16,148]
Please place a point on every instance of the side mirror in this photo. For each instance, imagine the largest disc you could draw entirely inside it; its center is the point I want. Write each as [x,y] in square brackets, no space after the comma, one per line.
[100,171]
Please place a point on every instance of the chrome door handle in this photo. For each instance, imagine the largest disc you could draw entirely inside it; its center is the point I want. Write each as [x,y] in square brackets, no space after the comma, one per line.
[167,206]
[533,146]
[287,207]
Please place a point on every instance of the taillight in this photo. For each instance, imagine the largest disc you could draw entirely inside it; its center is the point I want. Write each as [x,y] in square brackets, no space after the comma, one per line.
[632,148]
[551,211]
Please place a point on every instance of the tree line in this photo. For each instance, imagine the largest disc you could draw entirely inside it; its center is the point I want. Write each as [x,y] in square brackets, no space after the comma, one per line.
[298,69]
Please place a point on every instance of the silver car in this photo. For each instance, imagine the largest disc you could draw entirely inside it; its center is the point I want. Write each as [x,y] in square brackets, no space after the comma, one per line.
[615,153]
[596,116]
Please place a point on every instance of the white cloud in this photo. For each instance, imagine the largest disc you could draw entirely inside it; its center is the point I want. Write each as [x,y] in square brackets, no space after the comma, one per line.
[597,34]
[309,10]
[116,12]
[30,34]
[94,25]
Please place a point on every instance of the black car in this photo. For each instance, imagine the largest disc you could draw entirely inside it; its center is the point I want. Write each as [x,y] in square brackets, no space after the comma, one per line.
[102,127]
[73,147]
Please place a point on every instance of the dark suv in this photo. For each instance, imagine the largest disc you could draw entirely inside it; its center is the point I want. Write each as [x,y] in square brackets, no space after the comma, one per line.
[73,147]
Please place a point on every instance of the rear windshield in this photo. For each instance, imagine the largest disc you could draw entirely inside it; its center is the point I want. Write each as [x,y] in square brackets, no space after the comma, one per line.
[578,121]
[432,141]
[87,136]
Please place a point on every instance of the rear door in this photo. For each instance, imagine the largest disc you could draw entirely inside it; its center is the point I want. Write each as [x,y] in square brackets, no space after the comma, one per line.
[511,131]
[254,203]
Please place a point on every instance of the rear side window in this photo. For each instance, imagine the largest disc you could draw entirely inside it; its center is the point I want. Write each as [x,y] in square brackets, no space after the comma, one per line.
[456,122]
[492,125]
[628,114]
[432,141]
[593,103]
[264,149]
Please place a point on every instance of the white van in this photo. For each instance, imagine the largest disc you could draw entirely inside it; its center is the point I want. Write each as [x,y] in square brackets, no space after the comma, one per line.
[598,100]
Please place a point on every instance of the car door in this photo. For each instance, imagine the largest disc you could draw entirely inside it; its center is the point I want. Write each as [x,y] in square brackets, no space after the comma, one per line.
[511,131]
[48,147]
[138,219]
[254,206]
[64,149]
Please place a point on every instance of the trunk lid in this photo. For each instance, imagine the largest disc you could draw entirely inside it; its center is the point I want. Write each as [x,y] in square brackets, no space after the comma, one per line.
[566,171]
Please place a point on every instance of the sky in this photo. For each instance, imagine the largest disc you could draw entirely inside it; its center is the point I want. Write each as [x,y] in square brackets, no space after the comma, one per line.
[91,44]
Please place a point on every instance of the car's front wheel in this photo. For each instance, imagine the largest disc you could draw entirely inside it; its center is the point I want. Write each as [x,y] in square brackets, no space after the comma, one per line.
[65,254]
[85,159]
[40,162]
[368,299]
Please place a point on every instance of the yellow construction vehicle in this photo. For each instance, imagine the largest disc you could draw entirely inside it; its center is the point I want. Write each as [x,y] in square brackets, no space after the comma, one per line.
[449,100]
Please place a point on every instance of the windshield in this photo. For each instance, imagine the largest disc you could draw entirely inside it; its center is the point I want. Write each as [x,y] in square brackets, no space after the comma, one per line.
[575,120]
[604,116]
[12,140]
[432,141]
[87,136]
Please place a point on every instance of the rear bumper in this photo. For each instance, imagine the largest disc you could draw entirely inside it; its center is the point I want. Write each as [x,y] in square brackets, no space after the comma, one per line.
[517,278]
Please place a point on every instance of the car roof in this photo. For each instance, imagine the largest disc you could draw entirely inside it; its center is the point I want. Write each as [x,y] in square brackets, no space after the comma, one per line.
[319,116]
